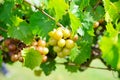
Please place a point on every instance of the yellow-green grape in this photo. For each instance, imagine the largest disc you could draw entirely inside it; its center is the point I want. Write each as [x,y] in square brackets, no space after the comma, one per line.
[45,50]
[66,51]
[70,43]
[51,33]
[61,43]
[58,35]
[66,33]
[60,54]
[57,48]
[52,42]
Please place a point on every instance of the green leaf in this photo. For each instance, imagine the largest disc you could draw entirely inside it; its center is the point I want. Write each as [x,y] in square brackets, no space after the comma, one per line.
[110,29]
[112,11]
[109,45]
[110,52]
[71,68]
[41,24]
[87,23]
[48,67]
[22,32]
[81,53]
[59,6]
[75,22]
[32,58]
[0,58]
[83,4]
[6,11]
[98,11]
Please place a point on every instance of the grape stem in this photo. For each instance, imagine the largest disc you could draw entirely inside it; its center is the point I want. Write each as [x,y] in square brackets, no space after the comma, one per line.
[3,29]
[96,5]
[49,16]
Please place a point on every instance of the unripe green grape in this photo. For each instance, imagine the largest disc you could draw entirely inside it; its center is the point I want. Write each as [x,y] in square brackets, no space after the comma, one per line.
[52,42]
[70,43]
[57,49]
[60,54]
[61,43]
[38,72]
[66,51]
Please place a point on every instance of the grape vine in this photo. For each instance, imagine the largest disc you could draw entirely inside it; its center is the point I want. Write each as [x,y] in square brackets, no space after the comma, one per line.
[78,31]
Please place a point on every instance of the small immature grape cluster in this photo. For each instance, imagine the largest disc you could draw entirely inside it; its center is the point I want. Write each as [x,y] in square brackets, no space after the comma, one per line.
[62,41]
[13,48]
[40,45]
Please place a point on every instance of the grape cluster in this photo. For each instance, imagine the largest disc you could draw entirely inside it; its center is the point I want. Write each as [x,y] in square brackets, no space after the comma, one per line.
[13,48]
[62,41]
[40,45]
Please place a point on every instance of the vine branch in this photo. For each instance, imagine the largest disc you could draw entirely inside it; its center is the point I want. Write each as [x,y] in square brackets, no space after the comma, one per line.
[49,16]
[72,64]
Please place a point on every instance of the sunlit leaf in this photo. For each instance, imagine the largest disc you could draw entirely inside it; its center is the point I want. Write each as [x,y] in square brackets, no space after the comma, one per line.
[32,58]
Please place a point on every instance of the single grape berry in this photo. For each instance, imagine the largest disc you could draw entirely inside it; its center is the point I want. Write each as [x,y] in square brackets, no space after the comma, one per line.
[70,43]
[61,43]
[60,54]
[96,24]
[66,51]
[40,49]
[57,49]
[51,33]
[52,42]
[14,57]
[42,43]
[12,47]
[21,59]
[35,43]
[45,50]
[38,72]
[75,37]
[58,35]
[44,59]
[66,33]
[7,42]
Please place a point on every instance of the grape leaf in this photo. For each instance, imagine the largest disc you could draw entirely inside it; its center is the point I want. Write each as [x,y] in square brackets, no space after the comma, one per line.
[6,11]
[109,45]
[32,58]
[22,32]
[0,58]
[98,11]
[75,22]
[87,23]
[80,55]
[71,68]
[112,11]
[59,6]
[48,67]
[83,4]
[41,24]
